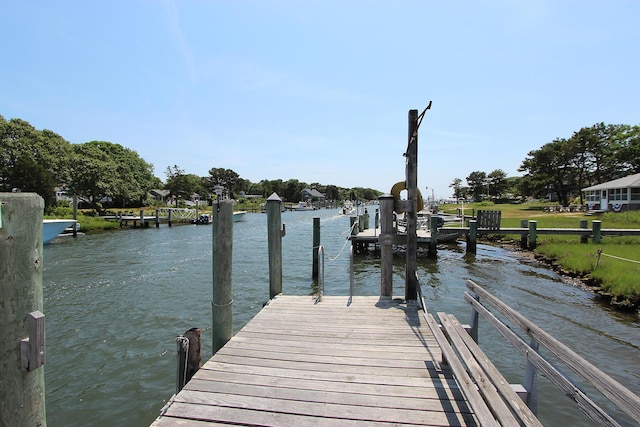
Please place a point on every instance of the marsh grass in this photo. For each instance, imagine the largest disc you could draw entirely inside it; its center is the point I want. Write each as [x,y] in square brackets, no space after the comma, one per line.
[619,276]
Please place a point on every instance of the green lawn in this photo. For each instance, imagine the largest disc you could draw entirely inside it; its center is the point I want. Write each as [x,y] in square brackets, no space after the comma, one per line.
[618,266]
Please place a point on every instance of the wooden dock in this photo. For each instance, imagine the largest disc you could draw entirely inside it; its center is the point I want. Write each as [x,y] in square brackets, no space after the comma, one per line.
[298,362]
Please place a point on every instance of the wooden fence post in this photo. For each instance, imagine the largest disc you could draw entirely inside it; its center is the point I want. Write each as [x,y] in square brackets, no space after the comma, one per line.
[523,236]
[583,237]
[597,227]
[222,237]
[22,392]
[533,234]
[275,232]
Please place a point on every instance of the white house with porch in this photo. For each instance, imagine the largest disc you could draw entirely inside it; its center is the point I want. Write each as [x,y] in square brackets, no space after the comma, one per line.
[618,195]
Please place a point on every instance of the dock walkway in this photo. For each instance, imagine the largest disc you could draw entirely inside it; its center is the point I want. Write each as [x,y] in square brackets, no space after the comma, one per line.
[297,362]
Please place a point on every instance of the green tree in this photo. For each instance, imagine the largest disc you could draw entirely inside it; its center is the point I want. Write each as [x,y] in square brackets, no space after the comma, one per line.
[222,177]
[477,184]
[551,169]
[496,181]
[456,184]
[133,177]
[91,175]
[182,185]
[32,160]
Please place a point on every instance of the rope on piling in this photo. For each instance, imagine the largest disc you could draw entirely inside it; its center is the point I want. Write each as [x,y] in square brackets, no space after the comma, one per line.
[355,224]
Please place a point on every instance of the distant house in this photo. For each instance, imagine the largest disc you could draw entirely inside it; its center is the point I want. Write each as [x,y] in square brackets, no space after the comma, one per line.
[310,194]
[159,195]
[618,195]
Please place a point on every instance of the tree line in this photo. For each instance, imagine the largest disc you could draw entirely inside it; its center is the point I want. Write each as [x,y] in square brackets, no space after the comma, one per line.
[40,160]
[562,167]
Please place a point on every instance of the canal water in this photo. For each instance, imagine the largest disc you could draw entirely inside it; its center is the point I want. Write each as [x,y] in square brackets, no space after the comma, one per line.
[115,302]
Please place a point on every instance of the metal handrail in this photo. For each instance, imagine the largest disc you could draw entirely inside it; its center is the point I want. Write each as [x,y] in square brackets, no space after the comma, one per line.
[351,276]
[321,278]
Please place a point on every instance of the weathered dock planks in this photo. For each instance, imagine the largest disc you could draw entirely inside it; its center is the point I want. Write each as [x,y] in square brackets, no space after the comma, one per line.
[298,362]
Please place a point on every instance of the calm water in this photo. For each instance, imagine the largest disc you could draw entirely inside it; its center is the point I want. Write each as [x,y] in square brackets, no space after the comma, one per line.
[116,301]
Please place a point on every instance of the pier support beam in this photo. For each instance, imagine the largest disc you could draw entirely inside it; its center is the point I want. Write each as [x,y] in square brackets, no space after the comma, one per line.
[222,238]
[22,392]
[387,234]
[275,233]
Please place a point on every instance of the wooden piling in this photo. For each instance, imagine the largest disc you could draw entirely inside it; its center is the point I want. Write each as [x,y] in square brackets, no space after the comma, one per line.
[523,237]
[432,251]
[533,234]
[222,238]
[274,237]
[75,215]
[189,356]
[22,392]
[316,246]
[169,217]
[411,279]
[157,218]
[596,230]
[584,224]
[142,223]
[472,237]
[387,234]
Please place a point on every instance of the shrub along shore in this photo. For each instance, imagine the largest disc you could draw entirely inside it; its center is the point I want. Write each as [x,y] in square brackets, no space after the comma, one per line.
[610,268]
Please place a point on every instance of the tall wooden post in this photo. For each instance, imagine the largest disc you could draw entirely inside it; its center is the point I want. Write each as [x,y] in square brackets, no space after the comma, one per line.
[411,280]
[222,237]
[275,232]
[316,246]
[22,393]
[385,239]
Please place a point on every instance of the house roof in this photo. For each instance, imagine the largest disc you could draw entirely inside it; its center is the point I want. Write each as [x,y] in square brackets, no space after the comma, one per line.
[313,193]
[626,182]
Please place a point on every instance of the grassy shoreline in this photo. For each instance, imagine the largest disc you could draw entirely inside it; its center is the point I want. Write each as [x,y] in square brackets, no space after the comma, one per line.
[610,268]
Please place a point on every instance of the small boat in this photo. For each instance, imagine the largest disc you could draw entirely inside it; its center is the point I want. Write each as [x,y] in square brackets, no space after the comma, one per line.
[347,208]
[303,206]
[51,228]
[238,216]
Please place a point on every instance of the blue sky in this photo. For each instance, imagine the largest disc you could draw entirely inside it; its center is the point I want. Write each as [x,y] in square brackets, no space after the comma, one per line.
[320,90]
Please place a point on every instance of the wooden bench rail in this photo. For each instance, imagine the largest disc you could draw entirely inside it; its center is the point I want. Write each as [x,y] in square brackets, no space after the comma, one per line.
[504,400]
[610,388]
[468,387]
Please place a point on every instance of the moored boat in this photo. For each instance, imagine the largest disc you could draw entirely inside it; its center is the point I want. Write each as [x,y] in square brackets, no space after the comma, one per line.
[51,228]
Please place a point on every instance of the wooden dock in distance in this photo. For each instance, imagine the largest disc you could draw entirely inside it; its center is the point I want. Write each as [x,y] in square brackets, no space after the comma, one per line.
[298,362]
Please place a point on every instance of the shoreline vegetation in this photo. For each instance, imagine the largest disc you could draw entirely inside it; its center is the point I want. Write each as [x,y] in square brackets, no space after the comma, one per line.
[610,269]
